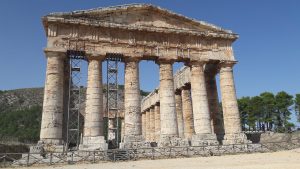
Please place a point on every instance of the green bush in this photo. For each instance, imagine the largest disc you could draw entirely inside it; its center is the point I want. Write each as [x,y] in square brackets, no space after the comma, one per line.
[21,124]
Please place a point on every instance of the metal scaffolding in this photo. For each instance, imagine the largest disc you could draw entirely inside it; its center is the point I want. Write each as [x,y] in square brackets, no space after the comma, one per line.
[113,133]
[74,100]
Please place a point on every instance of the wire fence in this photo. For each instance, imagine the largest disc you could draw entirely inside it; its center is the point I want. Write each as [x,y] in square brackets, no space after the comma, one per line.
[75,157]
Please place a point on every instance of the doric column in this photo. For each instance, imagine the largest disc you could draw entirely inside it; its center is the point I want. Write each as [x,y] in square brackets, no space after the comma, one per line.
[152,124]
[232,123]
[168,116]
[52,117]
[178,101]
[93,136]
[133,126]
[187,112]
[93,121]
[148,125]
[213,101]
[202,126]
[157,122]
[144,124]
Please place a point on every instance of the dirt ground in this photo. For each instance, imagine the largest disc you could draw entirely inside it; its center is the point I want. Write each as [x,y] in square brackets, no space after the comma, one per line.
[276,160]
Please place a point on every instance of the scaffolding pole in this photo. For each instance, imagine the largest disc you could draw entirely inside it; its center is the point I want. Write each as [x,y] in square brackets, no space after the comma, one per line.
[113,133]
[74,100]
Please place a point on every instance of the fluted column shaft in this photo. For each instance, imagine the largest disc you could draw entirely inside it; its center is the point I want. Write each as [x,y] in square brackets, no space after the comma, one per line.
[167,101]
[132,99]
[200,101]
[178,101]
[231,113]
[213,100]
[157,122]
[93,121]
[187,112]
[148,131]
[52,116]
[152,124]
[144,124]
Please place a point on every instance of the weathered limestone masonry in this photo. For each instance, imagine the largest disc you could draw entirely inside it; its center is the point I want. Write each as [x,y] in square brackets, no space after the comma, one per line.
[93,137]
[203,132]
[157,122]
[138,32]
[213,100]
[214,118]
[152,124]
[179,110]
[232,122]
[52,118]
[144,124]
[168,116]
[148,131]
[187,112]
[133,123]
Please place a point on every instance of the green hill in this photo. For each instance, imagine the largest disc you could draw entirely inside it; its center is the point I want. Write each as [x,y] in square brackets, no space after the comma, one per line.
[21,112]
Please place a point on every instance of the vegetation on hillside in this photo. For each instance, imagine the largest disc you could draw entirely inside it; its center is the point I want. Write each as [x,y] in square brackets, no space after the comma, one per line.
[21,124]
[20,113]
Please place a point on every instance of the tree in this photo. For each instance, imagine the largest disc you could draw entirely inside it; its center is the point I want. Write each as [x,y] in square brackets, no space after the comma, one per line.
[255,113]
[268,112]
[283,112]
[268,100]
[297,106]
[244,105]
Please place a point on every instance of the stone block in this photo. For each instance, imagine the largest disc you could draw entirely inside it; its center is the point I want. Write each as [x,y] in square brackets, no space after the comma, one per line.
[134,142]
[134,145]
[172,141]
[93,143]
[238,138]
[36,149]
[274,137]
[204,140]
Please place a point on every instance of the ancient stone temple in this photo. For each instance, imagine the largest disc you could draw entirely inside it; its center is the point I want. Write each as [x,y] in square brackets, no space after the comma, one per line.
[182,111]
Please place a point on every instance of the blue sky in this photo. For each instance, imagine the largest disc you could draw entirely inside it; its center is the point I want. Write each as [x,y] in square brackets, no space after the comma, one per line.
[268,49]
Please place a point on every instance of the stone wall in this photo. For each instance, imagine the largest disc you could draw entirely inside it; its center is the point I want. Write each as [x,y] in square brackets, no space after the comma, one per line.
[269,137]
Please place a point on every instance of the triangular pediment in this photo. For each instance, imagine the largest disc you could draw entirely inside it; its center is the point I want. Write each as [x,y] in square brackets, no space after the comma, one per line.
[139,16]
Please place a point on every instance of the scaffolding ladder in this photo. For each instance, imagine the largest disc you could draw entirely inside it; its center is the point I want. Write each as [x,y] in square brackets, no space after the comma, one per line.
[113,133]
[74,99]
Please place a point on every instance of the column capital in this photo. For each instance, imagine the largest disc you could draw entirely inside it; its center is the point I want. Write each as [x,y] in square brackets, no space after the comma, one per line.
[196,63]
[55,52]
[94,56]
[224,64]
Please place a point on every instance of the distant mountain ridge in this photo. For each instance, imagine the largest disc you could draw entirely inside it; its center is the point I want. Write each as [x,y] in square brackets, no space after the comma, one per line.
[21,111]
[19,99]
